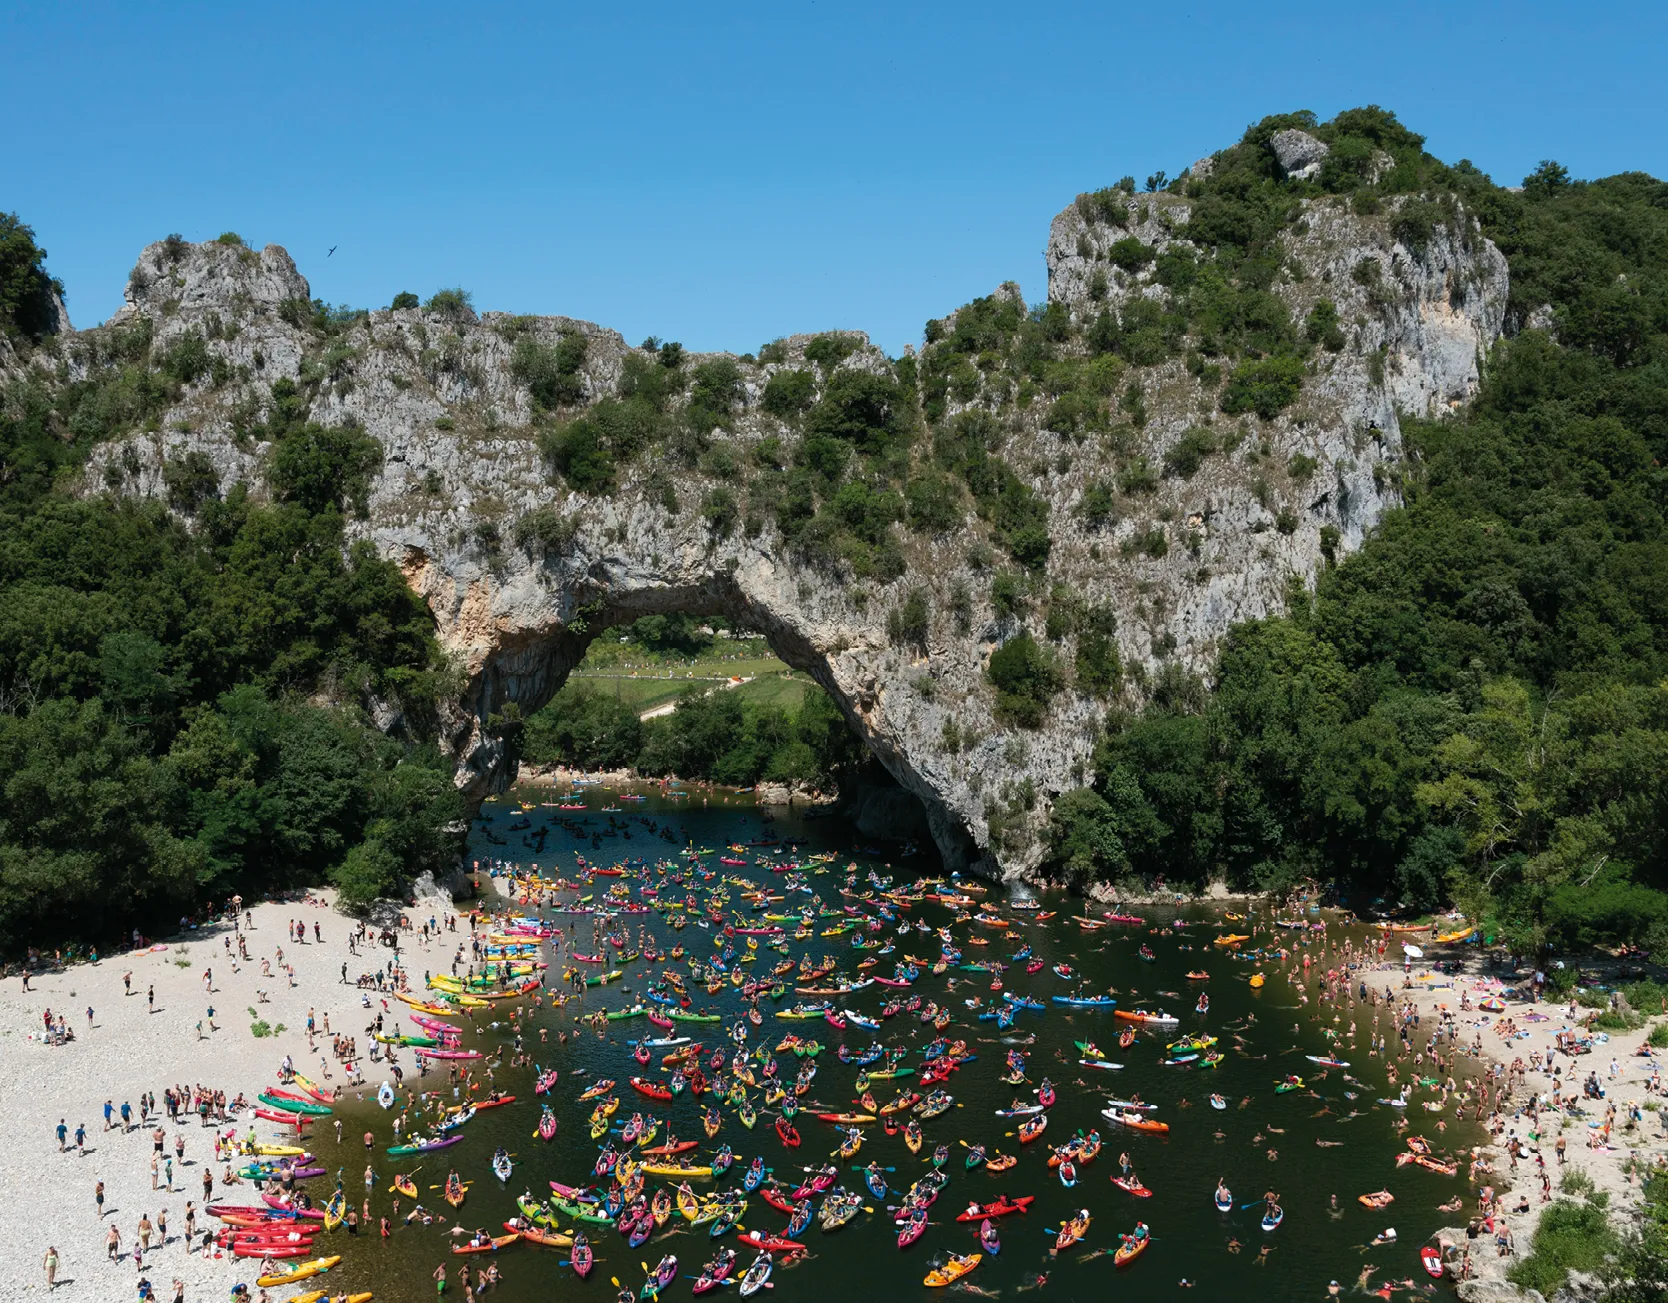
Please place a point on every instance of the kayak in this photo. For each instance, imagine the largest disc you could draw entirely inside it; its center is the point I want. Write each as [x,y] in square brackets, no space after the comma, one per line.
[953,1270]
[491,1246]
[771,1243]
[1002,1207]
[1131,1249]
[288,1104]
[756,1275]
[319,1296]
[424,1146]
[304,1271]
[1073,1231]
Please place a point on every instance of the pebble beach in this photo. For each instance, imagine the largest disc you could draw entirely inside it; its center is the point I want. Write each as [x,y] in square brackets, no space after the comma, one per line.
[130,1046]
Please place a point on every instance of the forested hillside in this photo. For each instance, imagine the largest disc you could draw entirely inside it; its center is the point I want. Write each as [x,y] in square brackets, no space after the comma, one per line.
[1039,520]
[185,687]
[1474,707]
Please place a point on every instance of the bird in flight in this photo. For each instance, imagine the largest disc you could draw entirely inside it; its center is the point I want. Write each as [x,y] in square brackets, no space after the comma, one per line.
[333,249]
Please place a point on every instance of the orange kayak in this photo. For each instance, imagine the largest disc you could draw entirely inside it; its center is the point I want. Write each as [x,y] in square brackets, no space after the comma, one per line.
[491,1246]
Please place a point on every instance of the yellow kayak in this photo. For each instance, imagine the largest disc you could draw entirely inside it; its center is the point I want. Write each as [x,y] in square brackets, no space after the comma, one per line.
[279,1151]
[658,1169]
[953,1270]
[1233,939]
[321,1295]
[1464,934]
[301,1271]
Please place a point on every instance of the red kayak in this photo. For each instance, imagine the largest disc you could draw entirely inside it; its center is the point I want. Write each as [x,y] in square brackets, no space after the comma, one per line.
[789,1135]
[494,1103]
[1432,1260]
[284,1092]
[1133,1186]
[1001,1208]
[277,1115]
[668,1150]
[277,1240]
[649,1088]
[776,1199]
[771,1243]
[271,1251]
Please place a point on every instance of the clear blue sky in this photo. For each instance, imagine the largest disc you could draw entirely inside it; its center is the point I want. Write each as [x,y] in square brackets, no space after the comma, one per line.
[723,174]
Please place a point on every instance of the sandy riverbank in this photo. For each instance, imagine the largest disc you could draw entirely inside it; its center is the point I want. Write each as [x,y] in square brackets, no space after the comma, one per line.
[1506,1038]
[131,1047]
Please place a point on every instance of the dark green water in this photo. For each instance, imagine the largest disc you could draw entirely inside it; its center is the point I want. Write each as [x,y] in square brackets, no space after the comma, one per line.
[1313,1246]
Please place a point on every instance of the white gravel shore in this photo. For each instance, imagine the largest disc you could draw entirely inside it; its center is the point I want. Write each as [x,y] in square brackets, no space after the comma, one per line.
[129,1048]
[1513,1035]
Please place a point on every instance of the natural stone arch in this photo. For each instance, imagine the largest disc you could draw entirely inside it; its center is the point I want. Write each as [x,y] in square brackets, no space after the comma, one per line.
[520,649]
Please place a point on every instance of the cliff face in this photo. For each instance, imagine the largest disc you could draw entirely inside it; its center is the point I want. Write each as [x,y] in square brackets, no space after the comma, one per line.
[516,607]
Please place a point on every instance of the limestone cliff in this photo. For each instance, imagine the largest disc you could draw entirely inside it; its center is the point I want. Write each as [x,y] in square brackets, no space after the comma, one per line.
[463,473]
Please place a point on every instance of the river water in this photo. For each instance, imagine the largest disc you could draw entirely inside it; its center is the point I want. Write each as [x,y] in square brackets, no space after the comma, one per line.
[1261,1141]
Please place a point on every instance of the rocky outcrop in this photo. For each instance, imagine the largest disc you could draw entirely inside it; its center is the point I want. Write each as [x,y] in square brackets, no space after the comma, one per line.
[1299,154]
[463,484]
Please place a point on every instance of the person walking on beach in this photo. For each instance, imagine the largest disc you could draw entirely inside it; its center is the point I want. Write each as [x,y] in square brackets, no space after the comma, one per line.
[150,1000]
[50,1262]
[127,1117]
[81,1138]
[143,1231]
[162,1228]
[98,1198]
[63,1136]
[109,1112]
[113,1243]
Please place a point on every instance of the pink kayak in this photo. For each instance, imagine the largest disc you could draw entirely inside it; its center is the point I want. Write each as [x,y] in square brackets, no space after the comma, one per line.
[273,1201]
[434,1025]
[449,1054]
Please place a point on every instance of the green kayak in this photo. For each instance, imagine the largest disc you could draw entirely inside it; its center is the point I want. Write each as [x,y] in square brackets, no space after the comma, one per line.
[292,1105]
